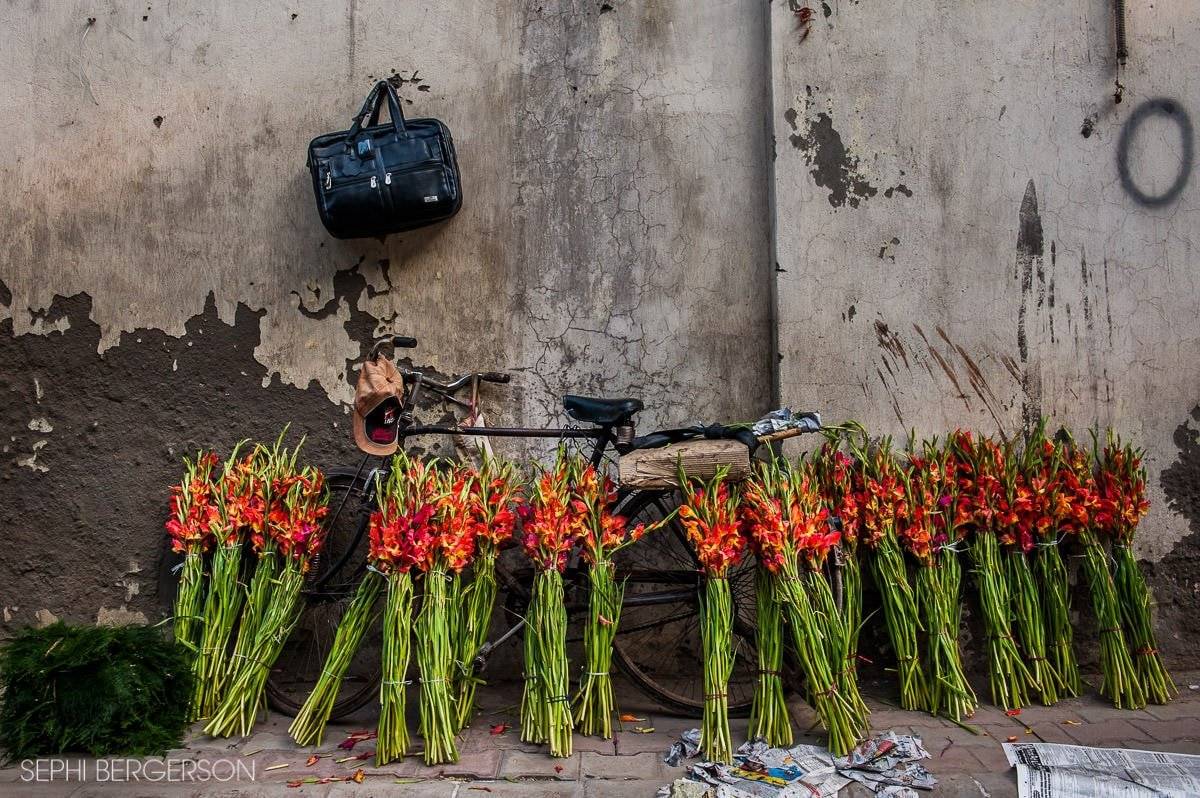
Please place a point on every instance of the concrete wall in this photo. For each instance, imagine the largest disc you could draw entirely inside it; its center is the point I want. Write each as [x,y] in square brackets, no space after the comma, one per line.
[953,240]
[165,283]
[956,244]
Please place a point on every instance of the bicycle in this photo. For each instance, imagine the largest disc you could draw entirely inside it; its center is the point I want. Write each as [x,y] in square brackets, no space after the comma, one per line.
[657,643]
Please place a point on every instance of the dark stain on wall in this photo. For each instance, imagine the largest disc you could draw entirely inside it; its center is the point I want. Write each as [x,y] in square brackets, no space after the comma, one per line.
[1030,258]
[834,167]
[120,423]
[1175,579]
[1181,480]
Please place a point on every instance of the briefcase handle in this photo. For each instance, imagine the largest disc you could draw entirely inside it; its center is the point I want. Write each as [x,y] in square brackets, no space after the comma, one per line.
[383,91]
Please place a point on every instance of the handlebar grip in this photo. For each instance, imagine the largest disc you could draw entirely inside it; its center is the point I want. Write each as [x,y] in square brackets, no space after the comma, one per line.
[404,342]
[495,376]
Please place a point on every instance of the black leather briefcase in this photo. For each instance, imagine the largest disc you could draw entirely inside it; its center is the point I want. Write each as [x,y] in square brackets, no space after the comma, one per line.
[376,179]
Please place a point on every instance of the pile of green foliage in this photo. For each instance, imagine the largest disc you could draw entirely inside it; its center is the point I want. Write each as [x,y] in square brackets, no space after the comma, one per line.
[103,690]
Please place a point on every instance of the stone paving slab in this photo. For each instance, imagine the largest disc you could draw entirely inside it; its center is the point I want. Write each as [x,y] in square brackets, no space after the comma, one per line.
[522,765]
[647,765]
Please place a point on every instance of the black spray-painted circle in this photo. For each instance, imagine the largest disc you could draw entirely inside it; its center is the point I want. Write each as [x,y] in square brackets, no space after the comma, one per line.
[1159,106]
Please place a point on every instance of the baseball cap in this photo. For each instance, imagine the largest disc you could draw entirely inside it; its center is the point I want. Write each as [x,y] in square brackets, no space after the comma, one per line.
[378,401]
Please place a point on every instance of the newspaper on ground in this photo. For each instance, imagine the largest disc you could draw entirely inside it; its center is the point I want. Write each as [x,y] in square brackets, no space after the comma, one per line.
[886,764]
[1052,770]
[686,747]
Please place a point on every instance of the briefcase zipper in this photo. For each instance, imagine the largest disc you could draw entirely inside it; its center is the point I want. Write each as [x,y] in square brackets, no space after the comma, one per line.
[387,179]
[328,179]
[374,182]
[420,166]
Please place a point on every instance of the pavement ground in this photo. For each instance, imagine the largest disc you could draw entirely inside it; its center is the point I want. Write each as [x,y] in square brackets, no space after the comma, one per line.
[500,765]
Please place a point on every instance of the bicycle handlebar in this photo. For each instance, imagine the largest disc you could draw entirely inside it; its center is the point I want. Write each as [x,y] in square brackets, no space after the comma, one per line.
[461,382]
[397,342]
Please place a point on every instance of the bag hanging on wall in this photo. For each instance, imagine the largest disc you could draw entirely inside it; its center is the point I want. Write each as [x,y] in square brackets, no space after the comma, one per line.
[376,179]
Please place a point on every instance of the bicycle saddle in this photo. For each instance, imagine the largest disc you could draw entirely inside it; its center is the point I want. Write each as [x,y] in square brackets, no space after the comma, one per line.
[601,411]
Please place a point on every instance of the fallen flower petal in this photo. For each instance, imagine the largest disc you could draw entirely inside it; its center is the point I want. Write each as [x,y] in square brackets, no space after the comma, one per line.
[500,728]
[630,718]
[1012,738]
[1012,713]
[312,760]
[358,776]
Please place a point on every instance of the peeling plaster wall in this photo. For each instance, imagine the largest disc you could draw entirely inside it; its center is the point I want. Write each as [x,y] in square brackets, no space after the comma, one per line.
[956,245]
[165,282]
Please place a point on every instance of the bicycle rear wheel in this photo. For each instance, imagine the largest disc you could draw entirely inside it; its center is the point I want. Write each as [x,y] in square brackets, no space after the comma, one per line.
[658,639]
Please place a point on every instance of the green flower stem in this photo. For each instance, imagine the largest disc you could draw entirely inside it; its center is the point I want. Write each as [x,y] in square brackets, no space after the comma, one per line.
[308,727]
[221,611]
[1120,683]
[595,703]
[1138,625]
[1009,678]
[837,645]
[550,644]
[1052,584]
[239,709]
[262,585]
[435,659]
[808,643]
[900,616]
[937,586]
[534,716]
[769,718]
[189,601]
[852,587]
[392,742]
[478,601]
[716,632]
[1030,626]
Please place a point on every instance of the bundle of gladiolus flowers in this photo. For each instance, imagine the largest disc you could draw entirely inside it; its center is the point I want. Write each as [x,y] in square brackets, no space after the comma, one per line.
[709,517]
[266,465]
[1015,523]
[239,508]
[815,536]
[555,522]
[451,552]
[298,503]
[1052,521]
[402,537]
[788,526]
[605,534]
[982,504]
[1120,679]
[761,512]
[193,515]
[928,534]
[494,498]
[835,473]
[882,504]
[1122,483]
